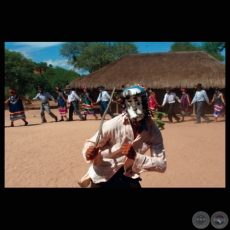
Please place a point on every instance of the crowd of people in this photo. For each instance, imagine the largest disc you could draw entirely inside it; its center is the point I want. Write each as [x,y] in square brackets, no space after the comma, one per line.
[68,104]
[117,151]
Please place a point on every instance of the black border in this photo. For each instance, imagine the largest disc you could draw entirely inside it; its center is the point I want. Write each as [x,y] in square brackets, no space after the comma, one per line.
[163,207]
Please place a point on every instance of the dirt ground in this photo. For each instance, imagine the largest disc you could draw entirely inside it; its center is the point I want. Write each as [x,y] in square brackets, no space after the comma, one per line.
[49,155]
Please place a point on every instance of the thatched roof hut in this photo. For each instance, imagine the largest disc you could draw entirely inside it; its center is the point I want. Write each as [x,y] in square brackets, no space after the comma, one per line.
[158,70]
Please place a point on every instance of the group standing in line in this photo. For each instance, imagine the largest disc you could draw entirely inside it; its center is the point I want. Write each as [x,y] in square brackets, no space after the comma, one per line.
[72,99]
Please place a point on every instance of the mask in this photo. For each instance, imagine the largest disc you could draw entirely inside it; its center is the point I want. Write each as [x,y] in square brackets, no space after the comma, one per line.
[133,102]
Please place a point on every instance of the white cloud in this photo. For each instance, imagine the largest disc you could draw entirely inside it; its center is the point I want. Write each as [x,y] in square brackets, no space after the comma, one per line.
[59,63]
[39,44]
[63,64]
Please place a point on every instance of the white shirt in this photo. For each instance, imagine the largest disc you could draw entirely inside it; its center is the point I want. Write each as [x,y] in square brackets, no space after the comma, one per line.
[109,160]
[170,98]
[103,96]
[44,97]
[72,96]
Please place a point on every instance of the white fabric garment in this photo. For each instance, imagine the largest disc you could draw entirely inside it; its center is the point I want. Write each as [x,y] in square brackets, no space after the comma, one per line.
[115,132]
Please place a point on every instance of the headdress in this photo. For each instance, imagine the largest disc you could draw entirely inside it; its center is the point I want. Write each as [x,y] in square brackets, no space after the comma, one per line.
[84,87]
[12,91]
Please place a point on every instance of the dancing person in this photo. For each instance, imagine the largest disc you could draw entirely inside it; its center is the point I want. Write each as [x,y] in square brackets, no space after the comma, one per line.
[185,109]
[152,102]
[199,98]
[170,98]
[219,103]
[104,98]
[73,99]
[118,159]
[45,106]
[16,107]
[62,104]
[88,103]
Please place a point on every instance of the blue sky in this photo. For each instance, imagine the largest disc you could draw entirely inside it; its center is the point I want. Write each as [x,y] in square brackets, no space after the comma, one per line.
[49,51]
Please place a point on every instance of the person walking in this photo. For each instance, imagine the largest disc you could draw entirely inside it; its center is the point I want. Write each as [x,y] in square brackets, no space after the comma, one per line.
[104,98]
[219,103]
[185,109]
[199,98]
[62,105]
[45,106]
[170,98]
[16,107]
[73,99]
[88,103]
[118,159]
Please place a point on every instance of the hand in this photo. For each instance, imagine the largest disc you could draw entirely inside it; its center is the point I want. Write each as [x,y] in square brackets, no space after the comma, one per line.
[92,152]
[190,104]
[127,149]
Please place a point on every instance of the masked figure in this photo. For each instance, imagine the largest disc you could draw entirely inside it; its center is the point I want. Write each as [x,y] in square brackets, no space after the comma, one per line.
[119,157]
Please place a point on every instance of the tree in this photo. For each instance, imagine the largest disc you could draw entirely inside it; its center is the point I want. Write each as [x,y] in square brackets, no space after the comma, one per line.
[184,46]
[58,77]
[71,50]
[24,75]
[212,48]
[92,56]
[18,71]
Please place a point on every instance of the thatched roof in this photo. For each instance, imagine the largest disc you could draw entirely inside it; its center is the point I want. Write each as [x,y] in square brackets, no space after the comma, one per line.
[158,70]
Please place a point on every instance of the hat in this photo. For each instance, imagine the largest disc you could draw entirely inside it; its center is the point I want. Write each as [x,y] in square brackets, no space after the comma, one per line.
[217,89]
[100,87]
[68,87]
[168,88]
[199,85]
[12,91]
[84,87]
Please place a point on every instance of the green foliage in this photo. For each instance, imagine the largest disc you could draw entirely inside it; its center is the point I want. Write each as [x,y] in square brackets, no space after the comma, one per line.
[58,77]
[6,93]
[212,48]
[184,46]
[91,56]
[18,71]
[24,75]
